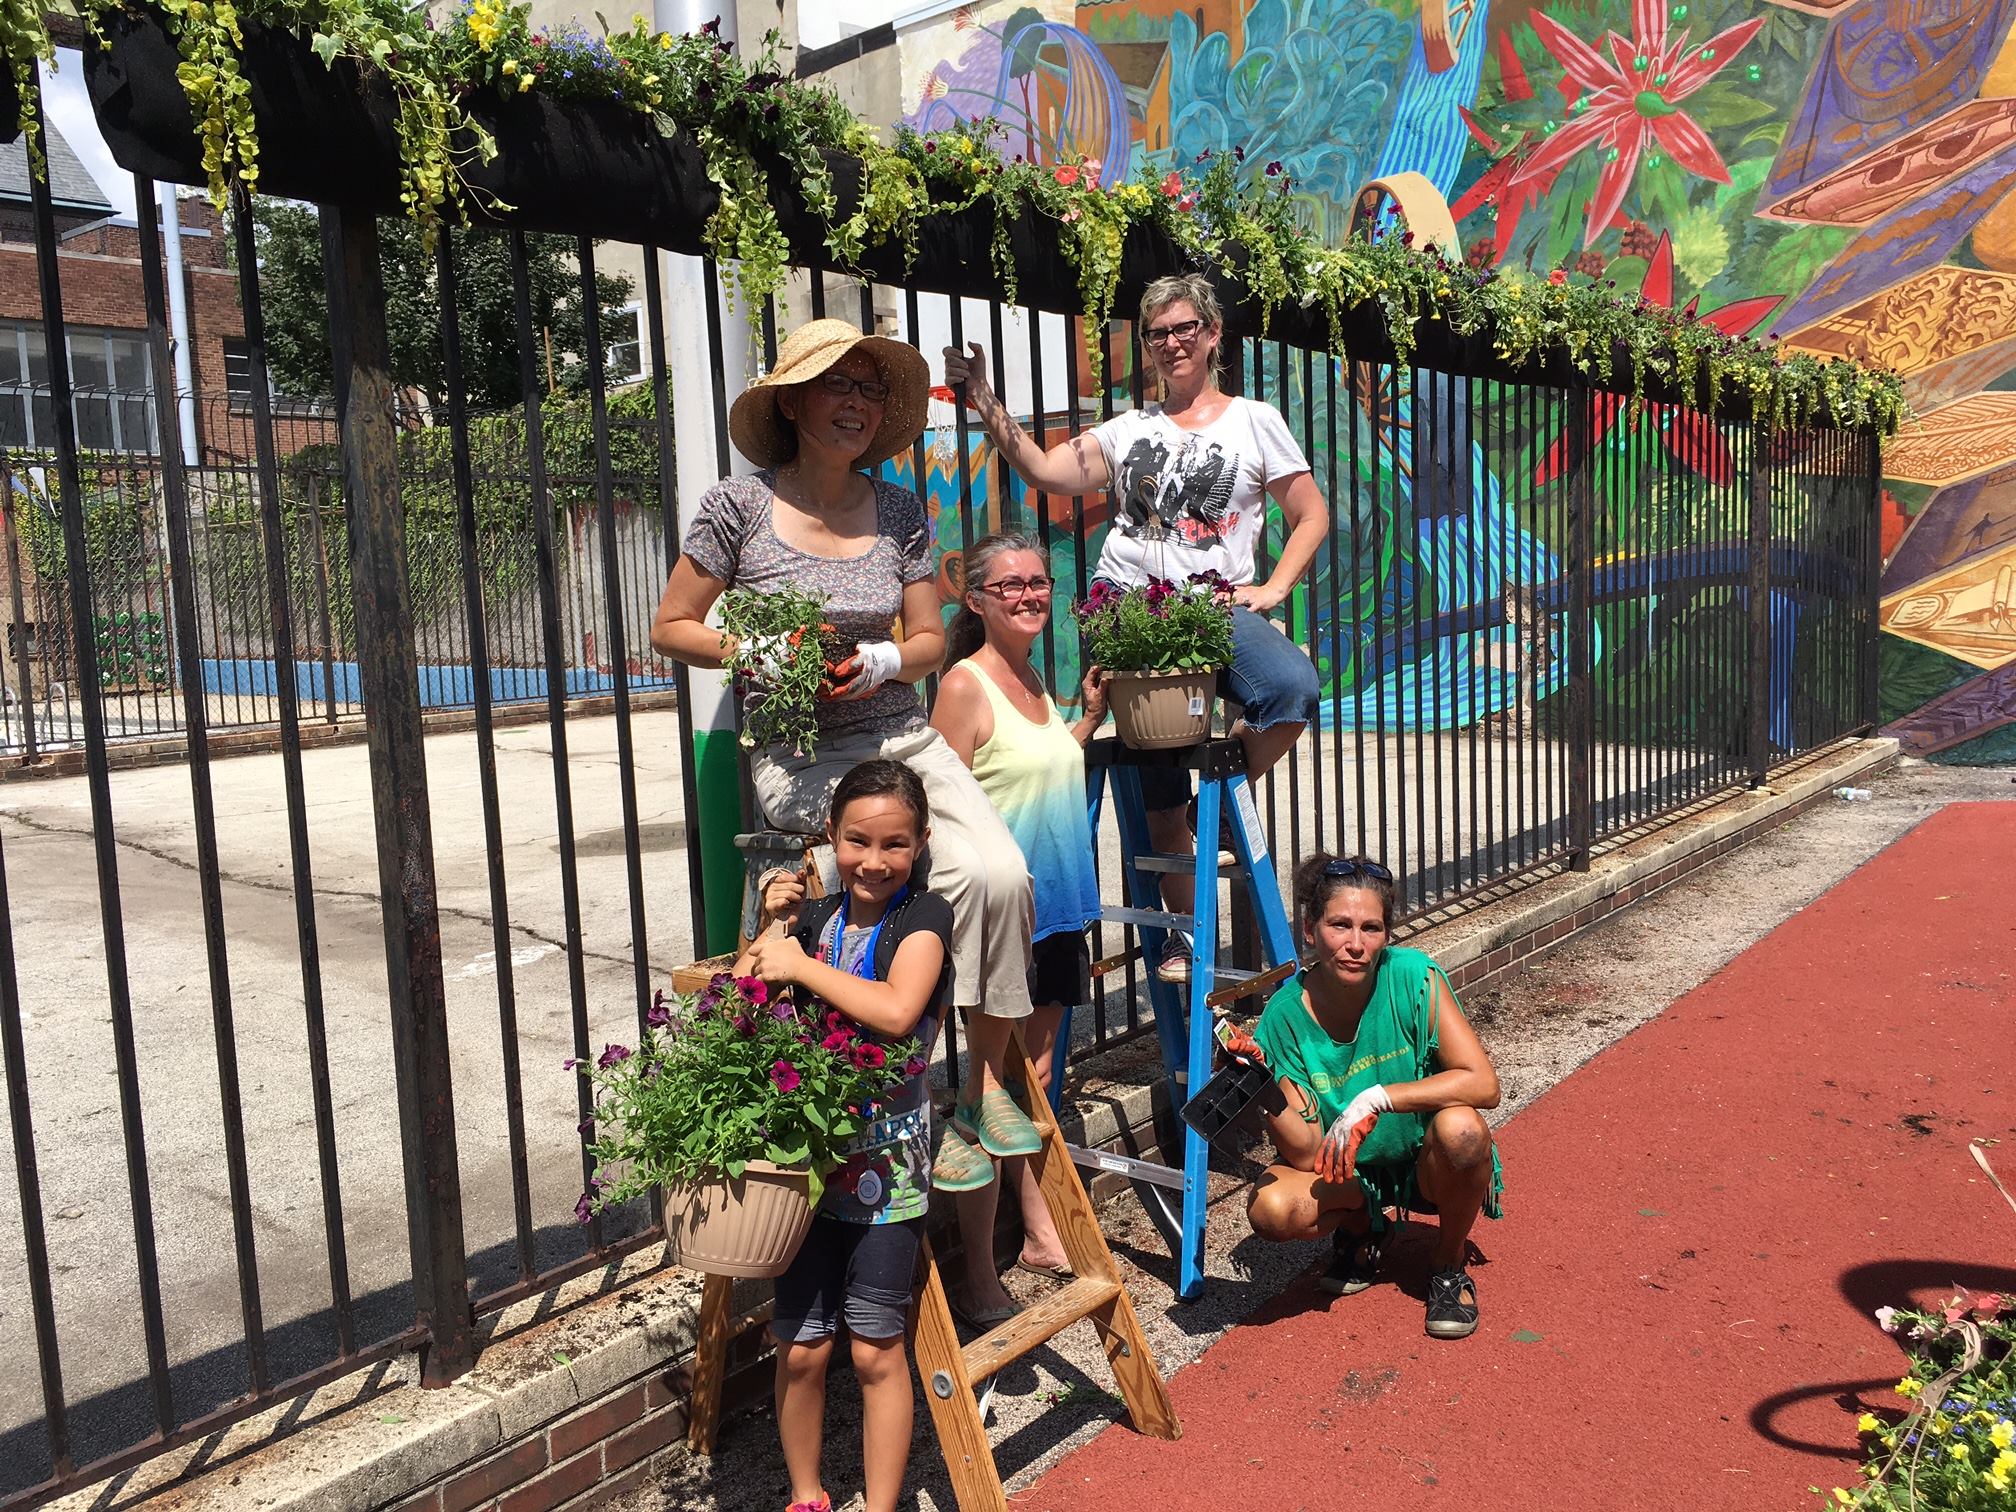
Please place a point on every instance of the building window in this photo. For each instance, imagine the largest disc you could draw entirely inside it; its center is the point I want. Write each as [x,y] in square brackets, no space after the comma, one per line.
[112,396]
[238,384]
[625,330]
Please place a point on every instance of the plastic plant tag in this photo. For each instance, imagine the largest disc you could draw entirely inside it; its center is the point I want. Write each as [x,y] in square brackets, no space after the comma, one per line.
[1196,708]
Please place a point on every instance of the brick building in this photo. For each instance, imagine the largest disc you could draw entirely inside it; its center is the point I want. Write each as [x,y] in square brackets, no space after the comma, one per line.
[105,313]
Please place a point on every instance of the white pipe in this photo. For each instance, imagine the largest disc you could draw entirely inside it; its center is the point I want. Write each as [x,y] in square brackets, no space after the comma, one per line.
[178,322]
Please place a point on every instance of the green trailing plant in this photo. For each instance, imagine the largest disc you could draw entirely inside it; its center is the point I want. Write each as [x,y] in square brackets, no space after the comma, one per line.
[736,1073]
[1158,627]
[782,658]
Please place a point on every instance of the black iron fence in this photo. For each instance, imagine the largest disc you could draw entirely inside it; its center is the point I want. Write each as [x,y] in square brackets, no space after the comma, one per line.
[1546,616]
[130,619]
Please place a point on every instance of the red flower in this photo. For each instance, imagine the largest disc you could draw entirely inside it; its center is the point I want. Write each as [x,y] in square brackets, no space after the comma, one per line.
[1172,186]
[785,1075]
[753,991]
[1558,276]
[1627,107]
[869,1056]
[838,1040]
[1067,175]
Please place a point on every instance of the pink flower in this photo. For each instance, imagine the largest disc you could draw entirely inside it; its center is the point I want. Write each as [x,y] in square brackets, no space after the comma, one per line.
[1093,168]
[1558,276]
[1070,215]
[869,1056]
[914,1066]
[785,1075]
[1066,175]
[838,1040]
[1172,186]
[1627,107]
[752,990]
[1187,203]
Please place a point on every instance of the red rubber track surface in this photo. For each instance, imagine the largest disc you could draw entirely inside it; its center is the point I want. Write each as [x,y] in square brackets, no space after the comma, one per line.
[1676,1308]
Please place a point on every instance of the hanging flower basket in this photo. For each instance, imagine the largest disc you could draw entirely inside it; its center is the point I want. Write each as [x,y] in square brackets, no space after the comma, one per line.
[10,108]
[1161,646]
[1161,711]
[749,1225]
[327,134]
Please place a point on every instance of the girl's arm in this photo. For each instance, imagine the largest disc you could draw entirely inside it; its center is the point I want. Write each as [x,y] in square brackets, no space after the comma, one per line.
[1307,515]
[680,629]
[891,1007]
[1466,1078]
[1070,468]
[962,714]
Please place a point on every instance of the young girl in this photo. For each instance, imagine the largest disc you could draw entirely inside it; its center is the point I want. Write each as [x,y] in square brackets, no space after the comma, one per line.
[998,718]
[880,953]
[1384,1078]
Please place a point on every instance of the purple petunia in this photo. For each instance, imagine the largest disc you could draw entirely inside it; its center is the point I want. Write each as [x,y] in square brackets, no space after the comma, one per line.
[612,1055]
[783,1009]
[915,1066]
[785,1075]
[660,1015]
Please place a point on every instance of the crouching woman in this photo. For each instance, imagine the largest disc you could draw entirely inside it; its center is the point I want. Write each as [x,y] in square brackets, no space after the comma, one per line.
[1384,1079]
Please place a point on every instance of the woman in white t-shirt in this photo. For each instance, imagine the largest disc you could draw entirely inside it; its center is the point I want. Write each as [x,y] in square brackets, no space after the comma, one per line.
[1190,479]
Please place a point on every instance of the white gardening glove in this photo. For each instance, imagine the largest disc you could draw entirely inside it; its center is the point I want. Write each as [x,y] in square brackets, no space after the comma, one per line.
[767,657]
[1337,1156]
[872,664]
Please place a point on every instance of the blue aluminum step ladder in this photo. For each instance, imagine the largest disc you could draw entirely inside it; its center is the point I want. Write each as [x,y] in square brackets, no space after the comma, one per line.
[1183,1019]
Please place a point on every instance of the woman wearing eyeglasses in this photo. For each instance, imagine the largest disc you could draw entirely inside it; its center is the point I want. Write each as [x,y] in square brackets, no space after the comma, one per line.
[835,404]
[998,717]
[1385,1079]
[1191,477]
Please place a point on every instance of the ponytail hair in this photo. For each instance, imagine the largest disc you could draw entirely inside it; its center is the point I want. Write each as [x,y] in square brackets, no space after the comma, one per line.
[968,632]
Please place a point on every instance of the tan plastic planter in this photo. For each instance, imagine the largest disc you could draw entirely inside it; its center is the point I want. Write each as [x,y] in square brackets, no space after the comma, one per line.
[1158,711]
[748,1226]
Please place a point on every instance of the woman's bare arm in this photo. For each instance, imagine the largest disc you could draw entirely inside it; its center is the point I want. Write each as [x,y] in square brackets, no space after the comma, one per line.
[1466,1078]
[1072,467]
[680,629]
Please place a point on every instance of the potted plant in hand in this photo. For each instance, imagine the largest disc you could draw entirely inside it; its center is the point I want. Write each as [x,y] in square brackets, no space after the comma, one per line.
[782,659]
[736,1103]
[1161,646]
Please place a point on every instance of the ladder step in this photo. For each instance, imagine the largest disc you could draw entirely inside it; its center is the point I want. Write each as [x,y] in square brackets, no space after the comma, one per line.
[1184,866]
[1150,918]
[1036,1325]
[1130,1166]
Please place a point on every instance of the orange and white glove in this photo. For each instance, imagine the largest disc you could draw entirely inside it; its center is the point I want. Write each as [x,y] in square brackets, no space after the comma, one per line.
[1337,1156]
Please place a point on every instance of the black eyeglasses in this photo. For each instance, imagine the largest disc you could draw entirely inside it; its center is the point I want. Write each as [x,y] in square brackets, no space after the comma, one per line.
[1019,588]
[1183,331]
[874,390]
[1338,871]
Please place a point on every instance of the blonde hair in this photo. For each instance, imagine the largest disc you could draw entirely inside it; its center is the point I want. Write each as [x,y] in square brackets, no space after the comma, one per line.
[1176,288]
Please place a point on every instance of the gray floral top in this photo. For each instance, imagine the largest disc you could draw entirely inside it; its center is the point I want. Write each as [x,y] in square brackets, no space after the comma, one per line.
[731,537]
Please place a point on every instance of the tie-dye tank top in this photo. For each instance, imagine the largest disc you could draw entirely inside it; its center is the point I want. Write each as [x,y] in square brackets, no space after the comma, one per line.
[1035,776]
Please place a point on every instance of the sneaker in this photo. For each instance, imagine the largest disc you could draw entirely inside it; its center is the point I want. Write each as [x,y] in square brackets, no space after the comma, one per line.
[1449,1315]
[1354,1264]
[1175,963]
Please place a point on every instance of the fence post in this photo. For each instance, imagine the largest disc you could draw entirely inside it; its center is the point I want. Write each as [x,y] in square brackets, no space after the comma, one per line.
[1757,736]
[393,733]
[1581,563]
[25,694]
[1872,586]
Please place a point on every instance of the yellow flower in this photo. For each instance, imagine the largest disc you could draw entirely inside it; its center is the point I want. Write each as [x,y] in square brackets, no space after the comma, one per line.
[1909,1387]
[510,66]
[1958,1451]
[664,41]
[963,146]
[637,20]
[524,83]
[1843,1497]
[2003,1434]
[2004,1463]
[1867,1423]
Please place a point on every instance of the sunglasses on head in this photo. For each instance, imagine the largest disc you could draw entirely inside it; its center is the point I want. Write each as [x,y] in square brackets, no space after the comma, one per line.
[1339,871]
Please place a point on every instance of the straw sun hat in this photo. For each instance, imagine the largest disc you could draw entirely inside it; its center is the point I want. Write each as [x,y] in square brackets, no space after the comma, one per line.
[765,437]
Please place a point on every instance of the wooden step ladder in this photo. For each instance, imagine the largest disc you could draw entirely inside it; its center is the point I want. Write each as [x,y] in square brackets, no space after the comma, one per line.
[951,1371]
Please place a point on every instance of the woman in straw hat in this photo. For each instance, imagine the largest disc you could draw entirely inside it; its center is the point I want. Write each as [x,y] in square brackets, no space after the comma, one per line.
[836,403]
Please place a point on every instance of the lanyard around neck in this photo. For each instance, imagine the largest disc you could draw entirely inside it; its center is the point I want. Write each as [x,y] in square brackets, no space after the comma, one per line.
[864,967]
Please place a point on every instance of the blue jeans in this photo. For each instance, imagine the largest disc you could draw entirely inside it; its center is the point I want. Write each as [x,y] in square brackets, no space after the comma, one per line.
[1270,677]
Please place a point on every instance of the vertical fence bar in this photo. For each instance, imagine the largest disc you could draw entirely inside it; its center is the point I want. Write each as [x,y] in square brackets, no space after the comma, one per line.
[546,568]
[85,678]
[393,732]
[24,663]
[1757,735]
[288,693]
[209,879]
[478,630]
[1869,614]
[668,513]
[1581,559]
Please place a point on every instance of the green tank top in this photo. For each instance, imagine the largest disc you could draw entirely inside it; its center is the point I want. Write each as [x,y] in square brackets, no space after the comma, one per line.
[1396,1042]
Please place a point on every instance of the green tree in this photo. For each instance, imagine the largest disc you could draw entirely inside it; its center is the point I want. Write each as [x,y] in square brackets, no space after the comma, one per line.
[296,307]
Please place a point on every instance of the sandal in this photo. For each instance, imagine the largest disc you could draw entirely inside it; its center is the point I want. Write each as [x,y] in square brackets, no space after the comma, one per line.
[999,1127]
[1354,1264]
[959,1167]
[1449,1316]
[1061,1272]
[824,1504]
[981,1318]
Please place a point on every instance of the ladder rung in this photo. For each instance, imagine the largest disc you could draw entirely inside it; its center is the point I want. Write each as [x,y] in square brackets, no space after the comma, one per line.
[1036,1325]
[1184,866]
[1250,984]
[1131,1166]
[1151,918]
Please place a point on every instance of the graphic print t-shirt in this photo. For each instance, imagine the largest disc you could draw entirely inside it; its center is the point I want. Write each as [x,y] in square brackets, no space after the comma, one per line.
[1188,501]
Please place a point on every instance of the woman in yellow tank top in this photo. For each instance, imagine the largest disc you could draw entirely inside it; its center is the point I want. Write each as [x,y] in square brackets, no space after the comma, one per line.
[995,712]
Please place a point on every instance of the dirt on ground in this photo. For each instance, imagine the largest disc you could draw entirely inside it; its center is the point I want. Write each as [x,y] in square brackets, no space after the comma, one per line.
[1540,1021]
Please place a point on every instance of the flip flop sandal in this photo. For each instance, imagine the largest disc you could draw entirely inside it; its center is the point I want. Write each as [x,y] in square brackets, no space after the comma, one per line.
[1048,1272]
[1002,1129]
[959,1167]
[824,1504]
[981,1318]
[1354,1265]
[1449,1316]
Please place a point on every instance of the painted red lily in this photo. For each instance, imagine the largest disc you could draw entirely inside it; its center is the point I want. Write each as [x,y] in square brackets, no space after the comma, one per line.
[1690,437]
[1626,108]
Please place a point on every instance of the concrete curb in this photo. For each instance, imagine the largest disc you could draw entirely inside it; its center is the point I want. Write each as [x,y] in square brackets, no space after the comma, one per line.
[551,1365]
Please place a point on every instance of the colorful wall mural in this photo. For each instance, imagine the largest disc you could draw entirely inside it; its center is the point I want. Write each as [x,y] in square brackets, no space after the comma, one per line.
[1839,175]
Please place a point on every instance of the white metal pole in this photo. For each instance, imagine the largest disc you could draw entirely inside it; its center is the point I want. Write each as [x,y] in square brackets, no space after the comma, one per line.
[178,322]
